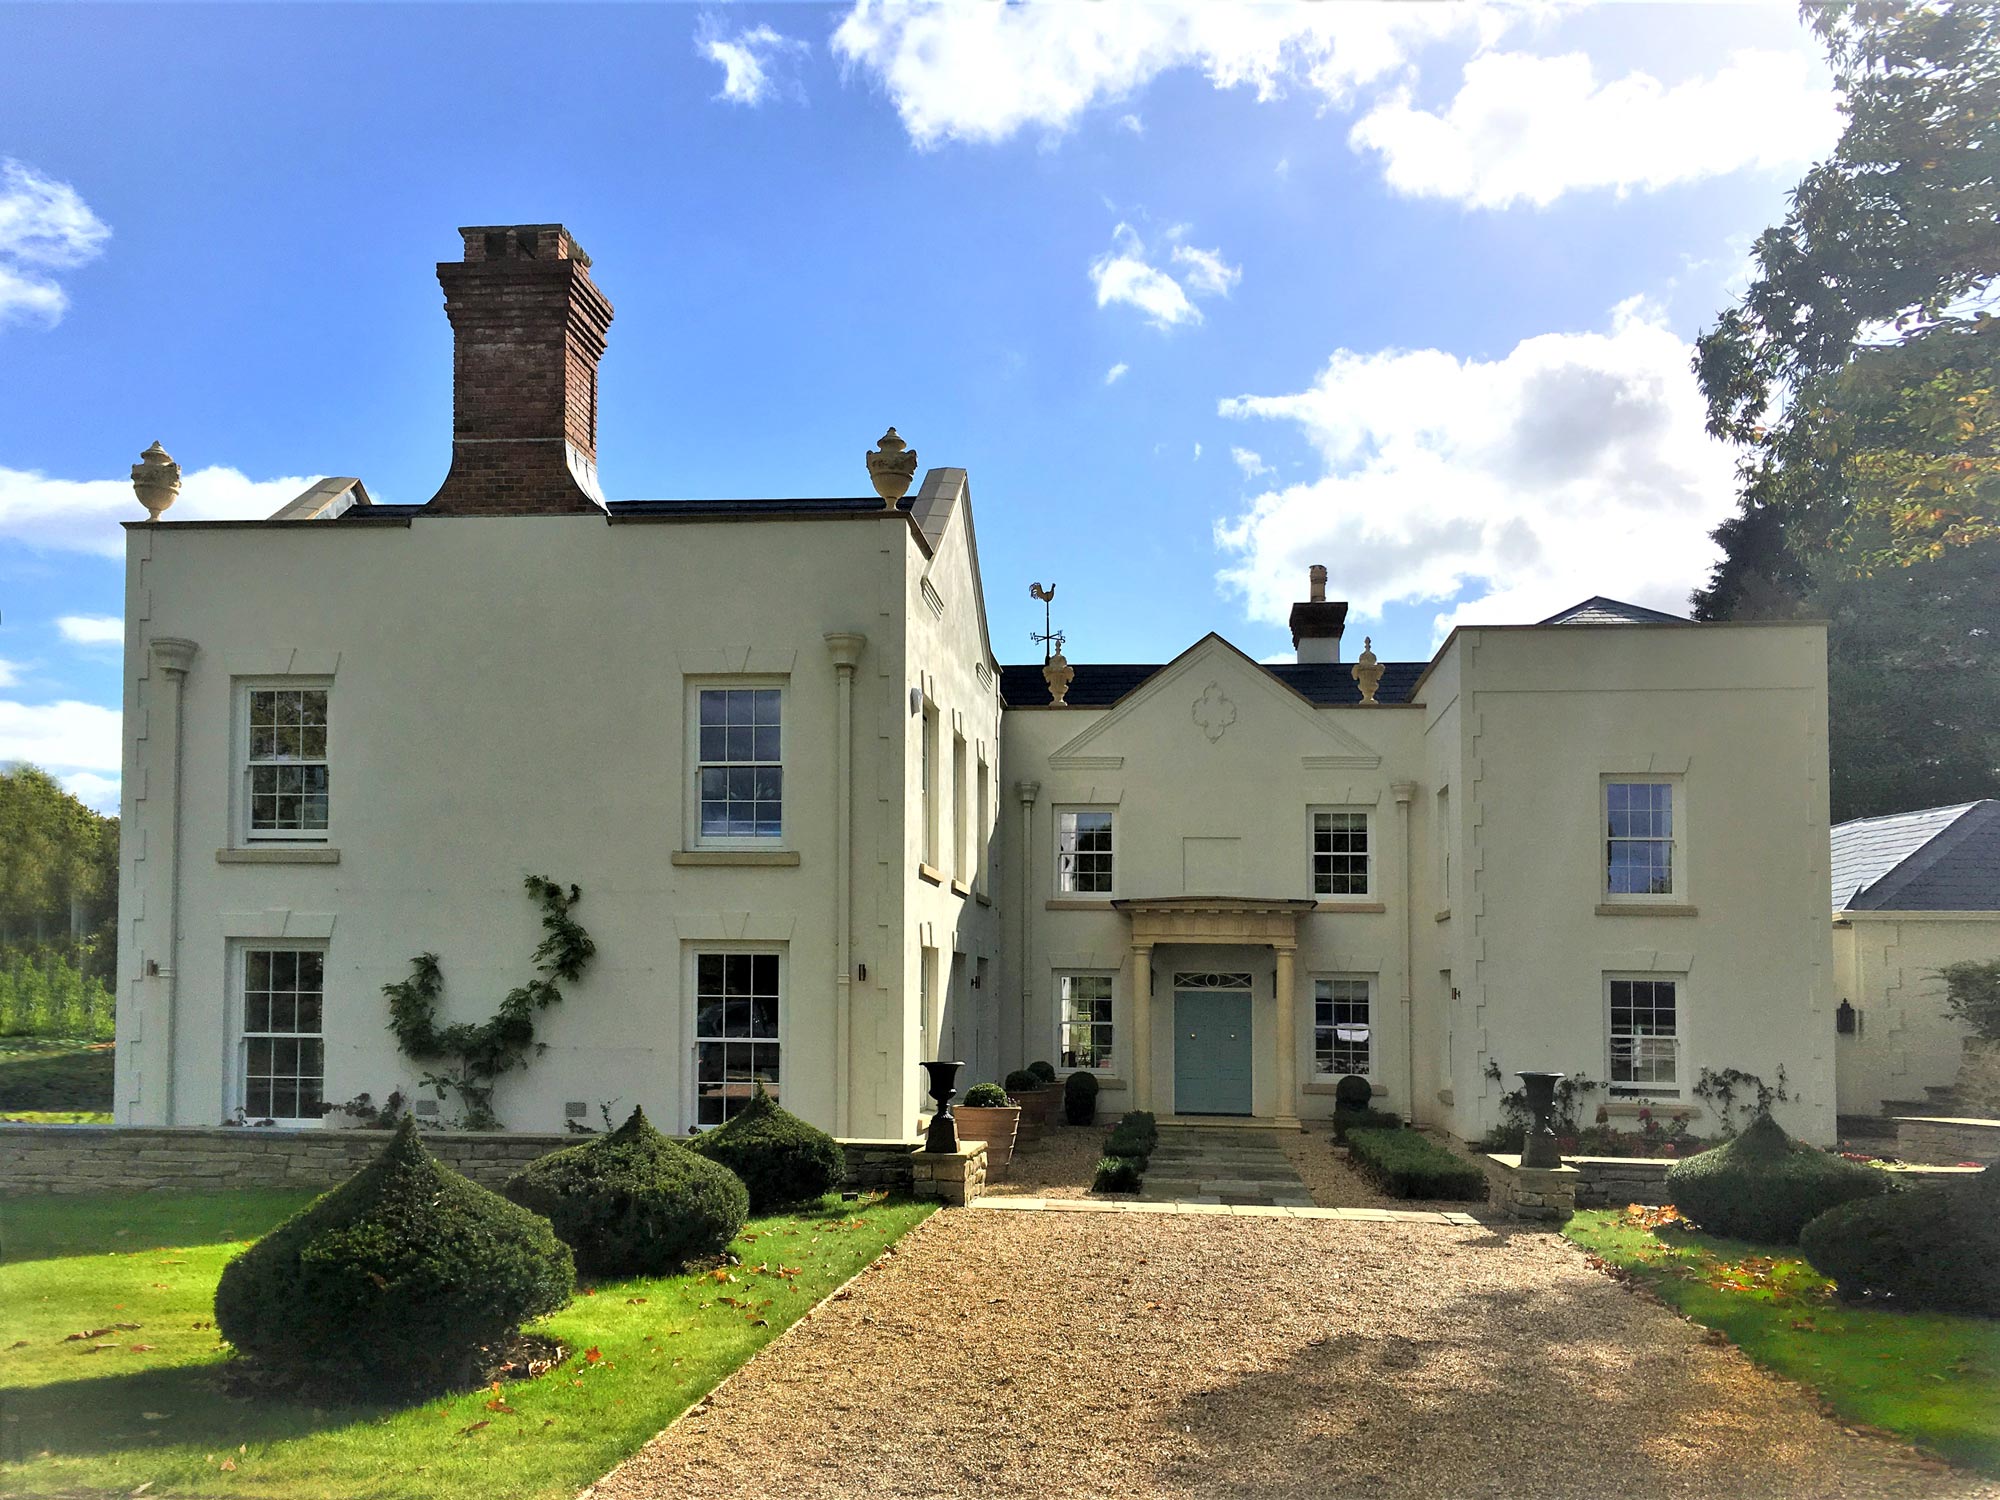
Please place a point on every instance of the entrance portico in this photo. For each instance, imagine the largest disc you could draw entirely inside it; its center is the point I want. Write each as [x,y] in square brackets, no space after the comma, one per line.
[1209,923]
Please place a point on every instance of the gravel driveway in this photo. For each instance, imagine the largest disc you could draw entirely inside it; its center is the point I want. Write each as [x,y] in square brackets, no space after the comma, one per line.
[1010,1354]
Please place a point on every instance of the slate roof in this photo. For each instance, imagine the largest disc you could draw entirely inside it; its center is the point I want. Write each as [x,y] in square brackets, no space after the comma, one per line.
[1101,684]
[1598,610]
[1936,859]
[838,505]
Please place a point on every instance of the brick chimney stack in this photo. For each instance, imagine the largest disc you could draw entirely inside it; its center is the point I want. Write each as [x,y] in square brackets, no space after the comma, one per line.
[1317,624]
[528,329]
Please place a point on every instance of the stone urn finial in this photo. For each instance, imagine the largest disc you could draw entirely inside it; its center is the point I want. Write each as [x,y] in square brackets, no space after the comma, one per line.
[1367,670]
[892,468]
[156,479]
[1058,674]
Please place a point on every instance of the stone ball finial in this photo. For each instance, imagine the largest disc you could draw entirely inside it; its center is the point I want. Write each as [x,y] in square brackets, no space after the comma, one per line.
[156,480]
[1367,670]
[892,468]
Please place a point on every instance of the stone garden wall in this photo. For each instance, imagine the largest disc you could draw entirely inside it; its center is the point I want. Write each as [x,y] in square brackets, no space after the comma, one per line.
[1551,1194]
[1946,1142]
[103,1158]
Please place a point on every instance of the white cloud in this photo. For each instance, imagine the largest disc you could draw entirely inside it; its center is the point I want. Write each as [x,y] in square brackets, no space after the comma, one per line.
[747,60]
[1575,464]
[1197,452]
[65,736]
[1132,123]
[1530,129]
[92,630]
[82,515]
[1206,270]
[10,673]
[1124,274]
[92,790]
[44,226]
[1116,373]
[1252,464]
[958,72]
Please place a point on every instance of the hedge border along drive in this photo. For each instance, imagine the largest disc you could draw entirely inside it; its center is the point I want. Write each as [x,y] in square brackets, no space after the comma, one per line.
[1404,1164]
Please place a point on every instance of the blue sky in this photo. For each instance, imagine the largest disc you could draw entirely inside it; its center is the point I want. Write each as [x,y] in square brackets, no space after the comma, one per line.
[1199,294]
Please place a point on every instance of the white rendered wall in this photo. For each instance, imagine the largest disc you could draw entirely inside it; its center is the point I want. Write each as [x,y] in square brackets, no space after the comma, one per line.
[1885,965]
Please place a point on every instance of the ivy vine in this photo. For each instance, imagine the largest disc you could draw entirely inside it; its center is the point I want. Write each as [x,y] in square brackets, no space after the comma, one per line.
[481,1052]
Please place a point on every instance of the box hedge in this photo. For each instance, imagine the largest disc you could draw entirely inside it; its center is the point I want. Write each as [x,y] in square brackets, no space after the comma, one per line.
[1118,1174]
[404,1279]
[1080,1098]
[1934,1247]
[1405,1164]
[633,1202]
[1766,1186]
[1345,1120]
[781,1159]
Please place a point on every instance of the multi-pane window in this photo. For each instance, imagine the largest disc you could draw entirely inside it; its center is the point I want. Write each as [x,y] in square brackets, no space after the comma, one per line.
[742,762]
[1639,838]
[1340,853]
[1086,1020]
[286,771]
[1645,1036]
[283,1051]
[1083,852]
[736,999]
[1340,1027]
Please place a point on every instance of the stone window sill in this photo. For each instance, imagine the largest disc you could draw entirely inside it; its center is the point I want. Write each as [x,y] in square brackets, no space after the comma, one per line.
[1443,916]
[1075,903]
[982,898]
[1332,1086]
[279,854]
[960,888]
[929,873]
[740,858]
[1360,907]
[1645,909]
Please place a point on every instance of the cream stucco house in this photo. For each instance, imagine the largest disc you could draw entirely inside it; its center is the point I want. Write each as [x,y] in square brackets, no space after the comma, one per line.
[823,834]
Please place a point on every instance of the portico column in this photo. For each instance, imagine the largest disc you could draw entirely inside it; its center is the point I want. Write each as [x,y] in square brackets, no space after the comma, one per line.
[1288,1038]
[1139,985]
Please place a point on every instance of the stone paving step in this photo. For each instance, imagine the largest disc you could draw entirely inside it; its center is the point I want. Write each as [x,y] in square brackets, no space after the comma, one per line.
[1224,1168]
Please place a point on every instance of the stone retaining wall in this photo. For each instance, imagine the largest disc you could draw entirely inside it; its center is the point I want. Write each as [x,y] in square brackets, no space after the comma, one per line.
[105,1158]
[1946,1142]
[1614,1181]
[1552,1194]
[956,1176]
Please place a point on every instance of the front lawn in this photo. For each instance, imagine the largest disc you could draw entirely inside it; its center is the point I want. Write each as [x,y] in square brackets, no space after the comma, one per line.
[54,1073]
[140,1403]
[1930,1378]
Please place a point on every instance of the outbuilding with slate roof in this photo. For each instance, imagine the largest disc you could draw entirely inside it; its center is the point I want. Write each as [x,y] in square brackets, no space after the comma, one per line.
[1912,892]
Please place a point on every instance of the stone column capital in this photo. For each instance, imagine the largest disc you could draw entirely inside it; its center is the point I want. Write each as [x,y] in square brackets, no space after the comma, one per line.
[1027,791]
[1404,790]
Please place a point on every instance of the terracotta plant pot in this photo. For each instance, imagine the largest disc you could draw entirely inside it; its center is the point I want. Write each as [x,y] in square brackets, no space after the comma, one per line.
[1038,1110]
[996,1127]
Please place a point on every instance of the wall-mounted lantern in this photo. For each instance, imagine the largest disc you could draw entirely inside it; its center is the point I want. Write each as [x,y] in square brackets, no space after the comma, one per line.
[1847,1020]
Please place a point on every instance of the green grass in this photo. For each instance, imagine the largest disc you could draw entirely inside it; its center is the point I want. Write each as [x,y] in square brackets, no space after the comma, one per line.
[54,1073]
[148,1408]
[1930,1378]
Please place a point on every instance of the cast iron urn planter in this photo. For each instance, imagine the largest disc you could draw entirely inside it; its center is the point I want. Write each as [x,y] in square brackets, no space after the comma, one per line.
[1538,1148]
[943,1134]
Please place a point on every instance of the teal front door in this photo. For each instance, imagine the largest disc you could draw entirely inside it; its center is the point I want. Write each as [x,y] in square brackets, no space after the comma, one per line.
[1212,1051]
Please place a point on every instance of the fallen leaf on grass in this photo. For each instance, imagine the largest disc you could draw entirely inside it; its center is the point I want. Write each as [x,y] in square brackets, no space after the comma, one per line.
[88,1333]
[467,1431]
[593,1354]
[502,1407]
[143,1488]
[18,1344]
[632,1301]
[228,1463]
[141,1349]
[156,1416]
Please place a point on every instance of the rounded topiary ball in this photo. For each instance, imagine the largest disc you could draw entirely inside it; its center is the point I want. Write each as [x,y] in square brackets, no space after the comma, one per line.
[985,1096]
[1080,1097]
[1766,1186]
[1353,1092]
[397,1280]
[1045,1071]
[1935,1246]
[634,1203]
[781,1159]
[1022,1081]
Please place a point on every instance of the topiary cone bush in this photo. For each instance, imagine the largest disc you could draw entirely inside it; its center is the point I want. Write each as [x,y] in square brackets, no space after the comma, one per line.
[1934,1247]
[781,1159]
[397,1280]
[1080,1098]
[1765,1186]
[633,1202]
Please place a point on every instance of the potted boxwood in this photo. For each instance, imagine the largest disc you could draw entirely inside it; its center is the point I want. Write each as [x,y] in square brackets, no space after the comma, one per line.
[1037,1100]
[988,1115]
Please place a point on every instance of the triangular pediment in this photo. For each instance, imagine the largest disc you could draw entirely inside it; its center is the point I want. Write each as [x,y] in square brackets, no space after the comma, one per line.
[1210,675]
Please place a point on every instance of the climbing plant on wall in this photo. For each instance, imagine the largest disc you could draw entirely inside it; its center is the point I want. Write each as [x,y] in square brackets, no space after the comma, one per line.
[478,1053]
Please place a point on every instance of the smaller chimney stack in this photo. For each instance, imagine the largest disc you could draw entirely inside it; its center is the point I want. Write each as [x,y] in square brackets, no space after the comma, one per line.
[1316,623]
[528,328]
